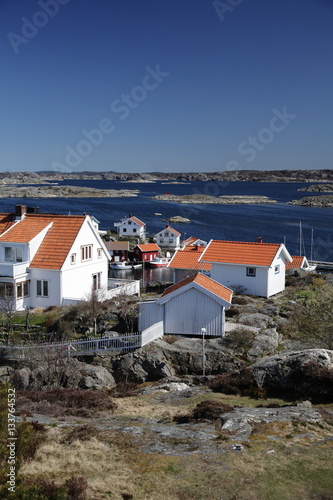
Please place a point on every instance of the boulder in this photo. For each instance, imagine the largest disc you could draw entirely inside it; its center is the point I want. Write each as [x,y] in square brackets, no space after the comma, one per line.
[5,374]
[95,377]
[305,374]
[258,320]
[266,342]
[22,378]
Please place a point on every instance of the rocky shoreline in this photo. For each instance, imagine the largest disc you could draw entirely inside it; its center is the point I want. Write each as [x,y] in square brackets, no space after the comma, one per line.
[318,188]
[11,191]
[216,200]
[314,201]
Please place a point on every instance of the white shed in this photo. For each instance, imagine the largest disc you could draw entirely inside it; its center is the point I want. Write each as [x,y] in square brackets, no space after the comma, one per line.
[188,306]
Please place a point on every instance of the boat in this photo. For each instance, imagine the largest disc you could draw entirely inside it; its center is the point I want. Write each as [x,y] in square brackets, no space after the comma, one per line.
[121,266]
[159,262]
[311,265]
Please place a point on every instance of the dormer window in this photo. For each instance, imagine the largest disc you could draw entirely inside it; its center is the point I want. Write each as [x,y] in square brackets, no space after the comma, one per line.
[13,254]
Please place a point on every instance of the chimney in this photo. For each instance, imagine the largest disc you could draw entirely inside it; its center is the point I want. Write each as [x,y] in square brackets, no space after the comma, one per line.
[20,211]
[259,239]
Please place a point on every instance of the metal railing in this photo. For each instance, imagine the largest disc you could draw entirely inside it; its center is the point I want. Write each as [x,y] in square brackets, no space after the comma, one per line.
[72,348]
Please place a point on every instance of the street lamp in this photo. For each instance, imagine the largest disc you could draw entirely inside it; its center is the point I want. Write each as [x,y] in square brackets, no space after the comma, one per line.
[203,331]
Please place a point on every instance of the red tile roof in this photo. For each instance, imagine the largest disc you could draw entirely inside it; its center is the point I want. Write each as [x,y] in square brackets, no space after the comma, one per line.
[206,283]
[190,240]
[297,262]
[188,259]
[25,230]
[56,243]
[148,247]
[6,221]
[138,221]
[58,240]
[240,252]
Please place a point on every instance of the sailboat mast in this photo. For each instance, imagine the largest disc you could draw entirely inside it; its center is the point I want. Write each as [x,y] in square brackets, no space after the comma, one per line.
[300,238]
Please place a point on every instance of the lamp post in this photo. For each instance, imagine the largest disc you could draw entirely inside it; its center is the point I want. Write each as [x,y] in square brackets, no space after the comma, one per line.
[203,331]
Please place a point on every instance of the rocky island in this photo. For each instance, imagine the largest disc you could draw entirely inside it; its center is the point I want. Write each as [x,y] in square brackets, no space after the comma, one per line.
[318,188]
[314,201]
[218,200]
[10,191]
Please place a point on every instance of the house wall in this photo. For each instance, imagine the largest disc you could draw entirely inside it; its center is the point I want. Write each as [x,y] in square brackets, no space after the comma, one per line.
[130,228]
[77,279]
[233,275]
[276,281]
[150,314]
[170,241]
[145,256]
[192,310]
[53,278]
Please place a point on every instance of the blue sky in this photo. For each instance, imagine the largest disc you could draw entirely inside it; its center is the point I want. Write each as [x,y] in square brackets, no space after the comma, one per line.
[166,85]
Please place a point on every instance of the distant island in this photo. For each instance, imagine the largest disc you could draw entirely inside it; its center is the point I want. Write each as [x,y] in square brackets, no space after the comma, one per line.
[318,188]
[217,200]
[44,177]
[9,191]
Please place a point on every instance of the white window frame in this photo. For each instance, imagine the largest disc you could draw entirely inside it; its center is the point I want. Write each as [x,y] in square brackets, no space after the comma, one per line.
[44,288]
[86,252]
[99,253]
[251,272]
[73,259]
[97,284]
[277,269]
[16,254]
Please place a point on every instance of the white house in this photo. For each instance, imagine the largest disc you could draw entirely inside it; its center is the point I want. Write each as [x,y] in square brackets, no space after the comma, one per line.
[48,259]
[186,308]
[168,237]
[257,268]
[192,241]
[300,262]
[131,226]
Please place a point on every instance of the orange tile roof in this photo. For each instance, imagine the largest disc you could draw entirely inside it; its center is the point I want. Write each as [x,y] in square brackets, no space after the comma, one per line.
[25,230]
[190,240]
[169,228]
[240,252]
[206,283]
[296,263]
[188,259]
[149,247]
[6,221]
[58,240]
[138,221]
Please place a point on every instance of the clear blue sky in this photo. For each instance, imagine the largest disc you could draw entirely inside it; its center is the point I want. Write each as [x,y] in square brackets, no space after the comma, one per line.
[222,70]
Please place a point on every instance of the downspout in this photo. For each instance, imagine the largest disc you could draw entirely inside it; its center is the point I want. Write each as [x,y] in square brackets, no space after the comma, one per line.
[60,288]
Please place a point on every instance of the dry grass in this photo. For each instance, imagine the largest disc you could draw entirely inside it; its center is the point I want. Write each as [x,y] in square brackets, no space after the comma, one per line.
[100,463]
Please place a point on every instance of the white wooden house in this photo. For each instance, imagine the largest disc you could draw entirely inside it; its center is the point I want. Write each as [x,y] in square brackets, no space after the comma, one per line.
[131,226]
[256,268]
[186,307]
[168,238]
[48,259]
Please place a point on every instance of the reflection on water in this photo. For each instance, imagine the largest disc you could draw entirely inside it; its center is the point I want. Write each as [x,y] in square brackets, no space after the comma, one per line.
[146,275]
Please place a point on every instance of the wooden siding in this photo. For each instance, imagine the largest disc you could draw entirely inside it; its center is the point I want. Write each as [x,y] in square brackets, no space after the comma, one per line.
[189,312]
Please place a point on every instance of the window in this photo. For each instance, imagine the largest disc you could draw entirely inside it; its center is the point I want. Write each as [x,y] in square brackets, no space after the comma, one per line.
[13,254]
[99,253]
[129,222]
[170,240]
[166,233]
[134,230]
[22,289]
[161,240]
[277,269]
[97,281]
[42,288]
[73,258]
[86,252]
[124,230]
[6,290]
[250,271]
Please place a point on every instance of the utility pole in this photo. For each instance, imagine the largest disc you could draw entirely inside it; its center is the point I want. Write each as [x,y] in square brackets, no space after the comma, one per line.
[203,331]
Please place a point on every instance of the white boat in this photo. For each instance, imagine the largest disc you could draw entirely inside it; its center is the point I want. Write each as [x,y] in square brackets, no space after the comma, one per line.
[159,262]
[121,265]
[310,265]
